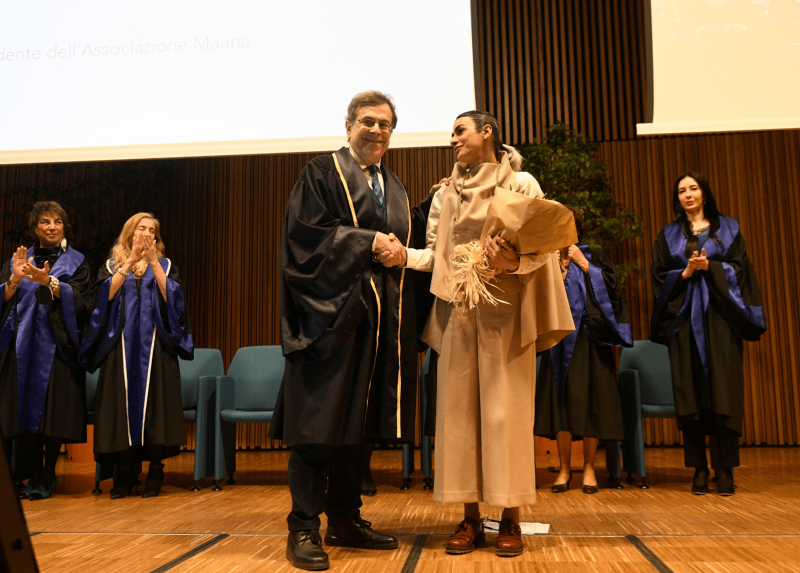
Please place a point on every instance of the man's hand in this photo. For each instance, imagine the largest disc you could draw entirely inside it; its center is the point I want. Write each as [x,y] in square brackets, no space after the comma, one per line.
[575,254]
[389,250]
[443,183]
[501,255]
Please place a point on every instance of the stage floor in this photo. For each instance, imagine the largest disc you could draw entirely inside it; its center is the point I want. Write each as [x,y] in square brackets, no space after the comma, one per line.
[243,527]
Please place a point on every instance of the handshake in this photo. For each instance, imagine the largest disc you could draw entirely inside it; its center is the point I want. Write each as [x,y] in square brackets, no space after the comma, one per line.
[389,251]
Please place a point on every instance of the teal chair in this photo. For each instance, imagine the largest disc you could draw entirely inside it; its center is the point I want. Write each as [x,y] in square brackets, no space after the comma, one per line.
[247,395]
[198,391]
[645,390]
[425,441]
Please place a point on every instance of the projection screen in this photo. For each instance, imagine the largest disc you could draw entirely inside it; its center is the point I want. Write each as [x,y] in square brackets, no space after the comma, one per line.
[723,65]
[102,79]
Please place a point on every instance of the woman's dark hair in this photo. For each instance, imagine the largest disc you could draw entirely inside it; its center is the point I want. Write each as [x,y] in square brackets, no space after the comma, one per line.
[580,226]
[710,211]
[43,208]
[482,118]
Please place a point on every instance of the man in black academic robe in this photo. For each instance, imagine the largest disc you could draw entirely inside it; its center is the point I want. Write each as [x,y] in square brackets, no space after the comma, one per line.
[348,332]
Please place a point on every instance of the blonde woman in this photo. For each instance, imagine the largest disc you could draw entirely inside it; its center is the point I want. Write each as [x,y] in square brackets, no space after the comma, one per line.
[138,328]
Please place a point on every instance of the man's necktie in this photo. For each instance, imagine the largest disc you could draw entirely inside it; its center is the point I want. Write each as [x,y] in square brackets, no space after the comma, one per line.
[376,184]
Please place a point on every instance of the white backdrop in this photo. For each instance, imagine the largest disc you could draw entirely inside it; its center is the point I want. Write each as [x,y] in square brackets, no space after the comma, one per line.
[724,65]
[103,79]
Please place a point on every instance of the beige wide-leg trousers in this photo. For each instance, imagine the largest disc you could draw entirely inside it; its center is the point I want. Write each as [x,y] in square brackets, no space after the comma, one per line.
[485,408]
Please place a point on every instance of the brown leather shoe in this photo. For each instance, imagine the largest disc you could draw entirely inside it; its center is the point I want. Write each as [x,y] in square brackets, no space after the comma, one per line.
[509,539]
[468,535]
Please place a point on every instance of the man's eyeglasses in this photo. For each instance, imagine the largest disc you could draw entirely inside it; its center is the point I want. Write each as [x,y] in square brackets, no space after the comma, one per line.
[370,122]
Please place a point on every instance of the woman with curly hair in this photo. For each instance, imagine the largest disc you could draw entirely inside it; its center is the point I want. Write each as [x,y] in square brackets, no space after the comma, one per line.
[138,329]
[42,387]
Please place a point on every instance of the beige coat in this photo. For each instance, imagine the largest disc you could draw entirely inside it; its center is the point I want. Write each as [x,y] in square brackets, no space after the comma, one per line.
[487,365]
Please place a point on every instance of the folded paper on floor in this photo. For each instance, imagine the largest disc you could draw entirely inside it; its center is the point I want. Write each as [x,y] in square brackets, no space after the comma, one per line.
[528,528]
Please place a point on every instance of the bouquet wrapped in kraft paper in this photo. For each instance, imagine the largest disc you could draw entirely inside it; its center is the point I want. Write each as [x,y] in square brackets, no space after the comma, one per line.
[531,226]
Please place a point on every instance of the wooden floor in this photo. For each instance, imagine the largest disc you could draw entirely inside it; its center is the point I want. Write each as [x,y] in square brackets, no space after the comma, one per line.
[243,527]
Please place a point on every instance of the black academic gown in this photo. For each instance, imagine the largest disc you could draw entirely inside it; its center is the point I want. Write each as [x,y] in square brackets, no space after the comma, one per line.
[136,339]
[54,388]
[347,322]
[424,300]
[576,390]
[703,321]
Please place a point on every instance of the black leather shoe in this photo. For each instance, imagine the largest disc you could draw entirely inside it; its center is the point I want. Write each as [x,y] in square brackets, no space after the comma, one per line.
[304,550]
[358,533]
[700,483]
[725,482]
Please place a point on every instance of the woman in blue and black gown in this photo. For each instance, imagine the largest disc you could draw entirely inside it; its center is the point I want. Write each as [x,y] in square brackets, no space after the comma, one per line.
[576,391]
[707,301]
[138,329]
[42,388]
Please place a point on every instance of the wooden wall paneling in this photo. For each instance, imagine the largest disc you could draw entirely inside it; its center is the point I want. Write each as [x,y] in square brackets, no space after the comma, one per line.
[754,179]
[571,63]
[580,66]
[582,62]
[526,49]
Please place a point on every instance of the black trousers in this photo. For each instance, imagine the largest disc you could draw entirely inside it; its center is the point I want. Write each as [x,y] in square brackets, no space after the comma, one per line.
[308,465]
[724,446]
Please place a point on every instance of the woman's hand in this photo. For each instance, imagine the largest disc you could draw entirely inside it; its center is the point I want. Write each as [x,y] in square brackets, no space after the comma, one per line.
[564,260]
[41,276]
[149,253]
[575,254]
[697,262]
[443,183]
[19,262]
[501,255]
[137,250]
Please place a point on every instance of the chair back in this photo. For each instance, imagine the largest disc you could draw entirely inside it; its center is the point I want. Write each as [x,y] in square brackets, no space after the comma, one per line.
[655,378]
[207,362]
[258,371]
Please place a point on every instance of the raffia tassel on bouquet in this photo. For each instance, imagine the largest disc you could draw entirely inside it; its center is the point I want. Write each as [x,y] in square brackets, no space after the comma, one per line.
[529,225]
[468,285]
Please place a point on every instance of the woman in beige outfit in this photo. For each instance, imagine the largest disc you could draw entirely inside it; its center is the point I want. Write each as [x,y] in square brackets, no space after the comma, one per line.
[487,363]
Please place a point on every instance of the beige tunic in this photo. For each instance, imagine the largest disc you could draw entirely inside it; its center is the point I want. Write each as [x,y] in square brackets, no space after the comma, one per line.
[487,365]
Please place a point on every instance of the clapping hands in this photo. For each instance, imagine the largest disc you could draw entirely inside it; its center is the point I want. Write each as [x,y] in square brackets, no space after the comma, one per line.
[697,262]
[143,247]
[389,251]
[18,262]
[27,269]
